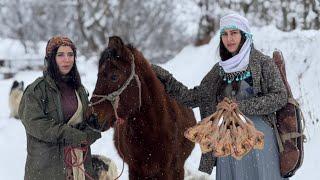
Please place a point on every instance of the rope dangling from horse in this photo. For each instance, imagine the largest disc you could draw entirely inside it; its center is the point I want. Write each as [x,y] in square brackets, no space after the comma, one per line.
[72,160]
[121,154]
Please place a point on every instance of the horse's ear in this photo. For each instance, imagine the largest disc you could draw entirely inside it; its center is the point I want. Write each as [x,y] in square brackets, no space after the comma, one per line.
[131,47]
[115,41]
[107,42]
[103,56]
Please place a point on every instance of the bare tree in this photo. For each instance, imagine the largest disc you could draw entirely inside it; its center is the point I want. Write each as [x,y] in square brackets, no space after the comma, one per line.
[153,26]
[311,14]
[207,23]
[15,22]
[287,15]
[33,21]
[149,25]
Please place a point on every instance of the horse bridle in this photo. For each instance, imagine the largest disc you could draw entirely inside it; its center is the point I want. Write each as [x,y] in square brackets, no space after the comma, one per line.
[114,97]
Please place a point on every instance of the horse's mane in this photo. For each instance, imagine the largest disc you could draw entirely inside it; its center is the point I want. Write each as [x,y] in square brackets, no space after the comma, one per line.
[145,67]
[144,70]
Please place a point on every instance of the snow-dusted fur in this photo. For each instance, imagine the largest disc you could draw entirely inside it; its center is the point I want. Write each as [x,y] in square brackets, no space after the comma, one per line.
[104,167]
[15,95]
[192,175]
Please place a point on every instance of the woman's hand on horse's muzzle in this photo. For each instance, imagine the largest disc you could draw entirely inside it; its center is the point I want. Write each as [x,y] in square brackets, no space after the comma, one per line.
[92,121]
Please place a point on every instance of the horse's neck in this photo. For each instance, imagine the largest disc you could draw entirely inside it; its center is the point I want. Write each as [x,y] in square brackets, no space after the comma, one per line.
[154,97]
[154,89]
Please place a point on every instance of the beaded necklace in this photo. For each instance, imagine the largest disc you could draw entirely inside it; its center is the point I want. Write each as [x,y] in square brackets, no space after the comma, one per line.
[234,76]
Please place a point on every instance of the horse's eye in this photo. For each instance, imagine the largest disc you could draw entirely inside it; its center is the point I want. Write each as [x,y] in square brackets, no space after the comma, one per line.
[114,78]
[117,56]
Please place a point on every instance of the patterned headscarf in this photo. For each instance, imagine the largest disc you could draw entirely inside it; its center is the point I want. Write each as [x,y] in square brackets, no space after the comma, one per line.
[56,42]
[234,21]
[240,61]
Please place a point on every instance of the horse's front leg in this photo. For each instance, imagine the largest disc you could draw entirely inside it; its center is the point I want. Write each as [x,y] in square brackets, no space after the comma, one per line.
[162,175]
[133,175]
[178,173]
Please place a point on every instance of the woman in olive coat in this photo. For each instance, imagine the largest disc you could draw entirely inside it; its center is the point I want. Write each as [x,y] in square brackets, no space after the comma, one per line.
[250,78]
[52,112]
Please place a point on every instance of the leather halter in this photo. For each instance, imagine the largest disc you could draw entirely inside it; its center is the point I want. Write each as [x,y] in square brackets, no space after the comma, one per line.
[114,97]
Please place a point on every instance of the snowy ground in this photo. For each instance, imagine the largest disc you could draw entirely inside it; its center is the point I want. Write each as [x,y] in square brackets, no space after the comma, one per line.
[300,49]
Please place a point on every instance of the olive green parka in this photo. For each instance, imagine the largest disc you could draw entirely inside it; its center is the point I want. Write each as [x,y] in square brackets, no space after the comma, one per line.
[47,132]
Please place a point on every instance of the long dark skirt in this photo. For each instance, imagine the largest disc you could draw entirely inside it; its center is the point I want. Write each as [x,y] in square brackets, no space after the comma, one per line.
[257,164]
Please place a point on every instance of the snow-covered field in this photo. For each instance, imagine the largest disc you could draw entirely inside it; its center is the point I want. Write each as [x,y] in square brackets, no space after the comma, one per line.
[300,50]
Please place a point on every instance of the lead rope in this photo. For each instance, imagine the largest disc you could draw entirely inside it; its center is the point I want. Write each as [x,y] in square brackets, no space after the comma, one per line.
[70,151]
[119,121]
[116,94]
[114,99]
[139,86]
[121,154]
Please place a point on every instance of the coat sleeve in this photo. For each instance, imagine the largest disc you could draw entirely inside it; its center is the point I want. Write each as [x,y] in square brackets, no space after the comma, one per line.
[40,126]
[177,90]
[274,99]
[197,96]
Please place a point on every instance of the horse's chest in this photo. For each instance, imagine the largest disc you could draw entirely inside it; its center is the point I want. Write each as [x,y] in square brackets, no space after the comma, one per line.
[142,137]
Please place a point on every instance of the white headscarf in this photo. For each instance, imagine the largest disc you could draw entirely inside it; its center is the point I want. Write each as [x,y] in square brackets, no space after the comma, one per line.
[240,61]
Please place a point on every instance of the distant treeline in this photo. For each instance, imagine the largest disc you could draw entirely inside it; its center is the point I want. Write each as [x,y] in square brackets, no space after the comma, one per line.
[157,27]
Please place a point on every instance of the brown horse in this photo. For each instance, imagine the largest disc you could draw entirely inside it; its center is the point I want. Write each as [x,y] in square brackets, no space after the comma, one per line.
[150,138]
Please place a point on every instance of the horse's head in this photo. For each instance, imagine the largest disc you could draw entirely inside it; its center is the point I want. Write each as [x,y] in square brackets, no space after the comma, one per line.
[117,92]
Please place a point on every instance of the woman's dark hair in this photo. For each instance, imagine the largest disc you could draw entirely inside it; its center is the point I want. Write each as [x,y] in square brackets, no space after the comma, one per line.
[224,53]
[72,78]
